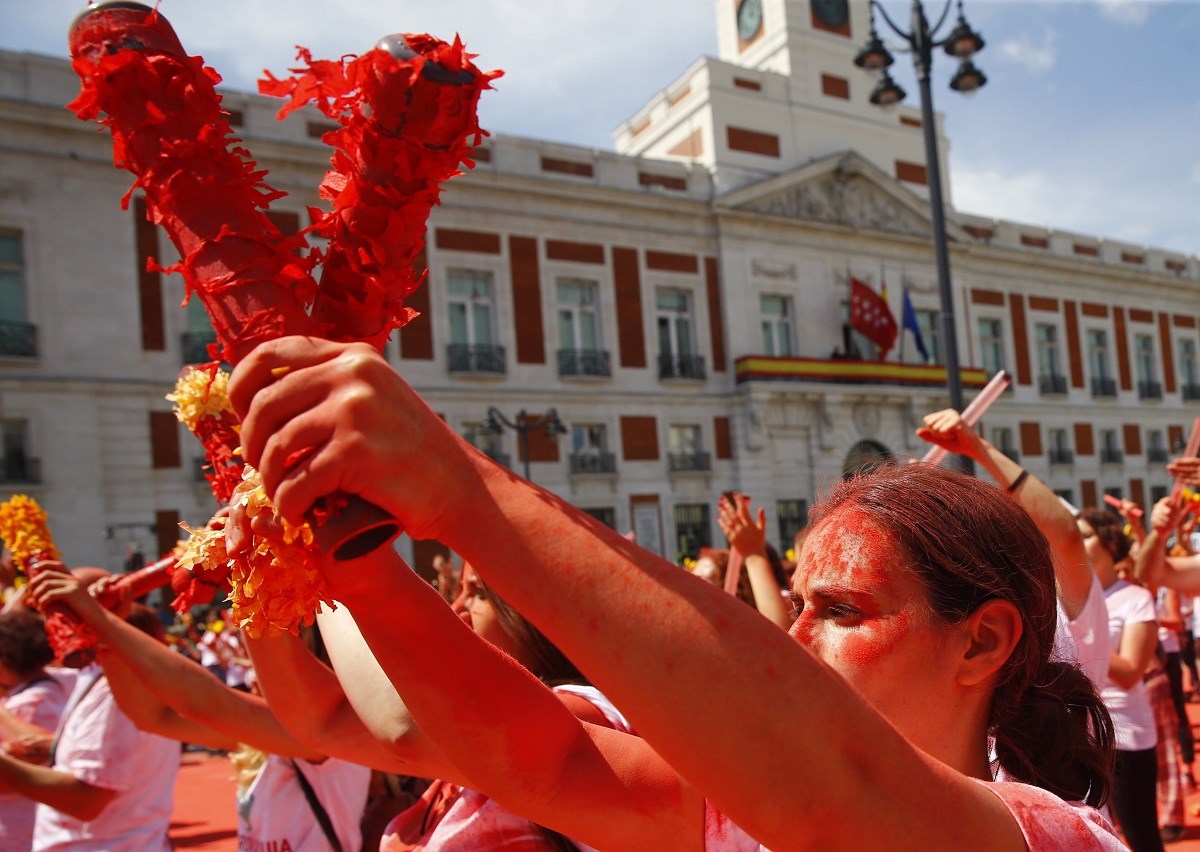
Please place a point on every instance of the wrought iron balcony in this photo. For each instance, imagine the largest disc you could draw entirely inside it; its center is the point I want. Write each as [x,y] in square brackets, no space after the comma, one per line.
[692,461]
[1109,455]
[18,339]
[194,346]
[1150,390]
[1104,388]
[476,358]
[583,362]
[1191,392]
[1011,452]
[1052,383]
[20,469]
[1057,456]
[1157,454]
[593,463]
[680,367]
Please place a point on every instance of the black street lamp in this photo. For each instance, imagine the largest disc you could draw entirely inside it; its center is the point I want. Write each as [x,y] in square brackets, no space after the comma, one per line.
[497,422]
[962,43]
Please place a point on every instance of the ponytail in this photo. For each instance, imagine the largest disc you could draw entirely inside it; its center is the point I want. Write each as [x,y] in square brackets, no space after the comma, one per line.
[1056,735]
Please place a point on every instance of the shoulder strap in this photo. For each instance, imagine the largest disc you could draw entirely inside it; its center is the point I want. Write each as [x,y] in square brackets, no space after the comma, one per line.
[317,808]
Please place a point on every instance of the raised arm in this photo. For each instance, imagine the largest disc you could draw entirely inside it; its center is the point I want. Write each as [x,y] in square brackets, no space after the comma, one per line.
[748,535]
[1071,570]
[1153,567]
[308,699]
[653,637]
[174,680]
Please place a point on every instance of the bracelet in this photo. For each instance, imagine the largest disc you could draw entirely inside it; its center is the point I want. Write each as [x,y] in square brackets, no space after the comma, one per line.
[1016,483]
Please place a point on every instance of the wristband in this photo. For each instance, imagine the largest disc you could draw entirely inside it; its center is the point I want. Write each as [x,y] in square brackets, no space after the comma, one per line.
[1016,483]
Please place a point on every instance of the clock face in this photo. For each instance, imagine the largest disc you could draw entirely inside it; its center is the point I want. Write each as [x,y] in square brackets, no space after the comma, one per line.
[749,19]
[832,13]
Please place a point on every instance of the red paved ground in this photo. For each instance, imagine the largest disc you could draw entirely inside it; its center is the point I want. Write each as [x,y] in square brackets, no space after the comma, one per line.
[205,819]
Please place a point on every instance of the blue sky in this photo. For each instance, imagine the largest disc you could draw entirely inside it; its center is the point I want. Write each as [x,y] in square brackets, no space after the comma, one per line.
[1088,122]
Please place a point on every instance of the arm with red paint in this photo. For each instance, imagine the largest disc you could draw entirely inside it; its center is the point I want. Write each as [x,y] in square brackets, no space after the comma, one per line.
[1153,567]
[748,536]
[166,692]
[680,657]
[1071,569]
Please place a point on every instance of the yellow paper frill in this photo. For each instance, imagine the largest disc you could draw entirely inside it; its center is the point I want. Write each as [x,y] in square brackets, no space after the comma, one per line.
[24,528]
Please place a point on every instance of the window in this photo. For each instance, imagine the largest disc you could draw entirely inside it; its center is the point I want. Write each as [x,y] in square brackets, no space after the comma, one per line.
[692,530]
[930,323]
[686,451]
[1051,379]
[470,307]
[776,325]
[793,517]
[589,449]
[605,515]
[1065,494]
[487,441]
[1060,447]
[1002,440]
[17,335]
[1157,492]
[472,346]
[1110,446]
[676,344]
[12,277]
[1156,448]
[578,320]
[1187,363]
[1103,384]
[1148,384]
[991,346]
[18,465]
[580,351]
[1114,492]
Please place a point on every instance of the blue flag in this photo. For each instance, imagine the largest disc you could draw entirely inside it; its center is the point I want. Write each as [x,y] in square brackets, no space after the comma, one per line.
[909,322]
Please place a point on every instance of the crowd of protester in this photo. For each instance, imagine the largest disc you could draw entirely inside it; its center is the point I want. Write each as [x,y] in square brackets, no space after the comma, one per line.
[932,645]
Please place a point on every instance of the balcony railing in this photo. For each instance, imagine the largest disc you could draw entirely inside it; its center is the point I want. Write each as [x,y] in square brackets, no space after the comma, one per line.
[583,362]
[20,469]
[843,371]
[1150,390]
[476,358]
[193,346]
[1011,452]
[680,367]
[1104,388]
[18,339]
[1109,455]
[593,463]
[199,468]
[1191,392]
[1052,383]
[694,461]
[1057,456]
[1157,454]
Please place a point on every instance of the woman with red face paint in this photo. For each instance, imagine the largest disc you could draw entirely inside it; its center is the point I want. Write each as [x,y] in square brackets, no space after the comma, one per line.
[926,618]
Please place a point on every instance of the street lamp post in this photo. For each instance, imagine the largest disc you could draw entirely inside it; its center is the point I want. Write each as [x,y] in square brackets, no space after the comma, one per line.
[962,43]
[496,423]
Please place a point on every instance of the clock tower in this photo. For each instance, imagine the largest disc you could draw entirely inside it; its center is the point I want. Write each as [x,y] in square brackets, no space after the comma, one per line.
[782,92]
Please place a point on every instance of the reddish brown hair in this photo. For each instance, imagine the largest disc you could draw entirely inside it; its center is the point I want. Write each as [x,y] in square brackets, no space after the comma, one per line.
[969,543]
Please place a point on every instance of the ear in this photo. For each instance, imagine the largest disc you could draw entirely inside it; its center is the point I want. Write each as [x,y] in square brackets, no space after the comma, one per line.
[991,631]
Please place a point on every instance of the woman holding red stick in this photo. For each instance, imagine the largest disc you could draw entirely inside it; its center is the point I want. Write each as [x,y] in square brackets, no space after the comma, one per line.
[926,618]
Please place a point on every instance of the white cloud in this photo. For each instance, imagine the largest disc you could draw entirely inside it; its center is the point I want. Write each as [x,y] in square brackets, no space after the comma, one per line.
[1036,57]
[1125,11]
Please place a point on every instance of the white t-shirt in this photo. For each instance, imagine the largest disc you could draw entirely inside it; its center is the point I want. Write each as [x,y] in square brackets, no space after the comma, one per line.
[274,814]
[1130,709]
[98,744]
[41,703]
[1084,641]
